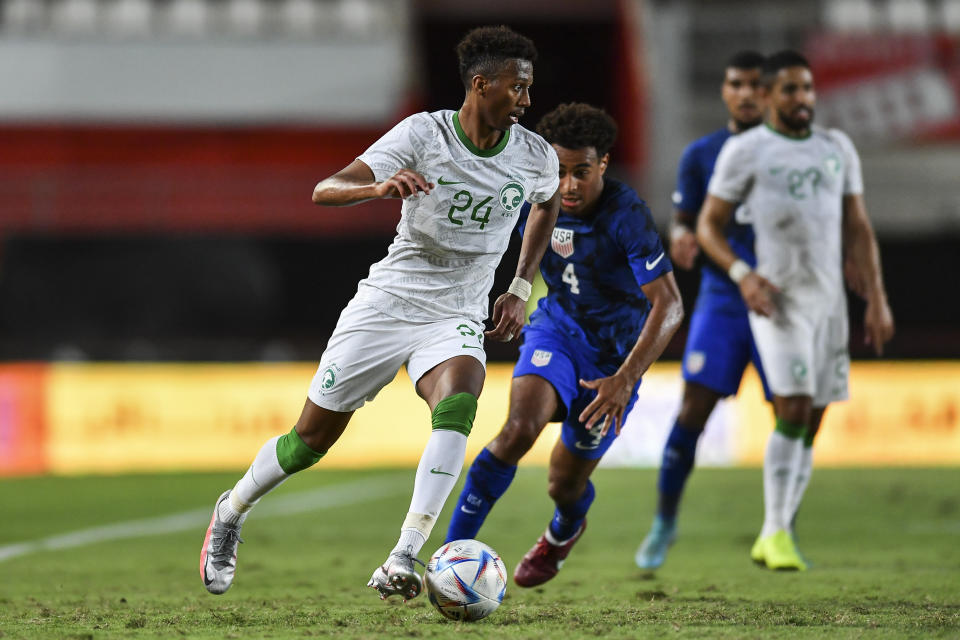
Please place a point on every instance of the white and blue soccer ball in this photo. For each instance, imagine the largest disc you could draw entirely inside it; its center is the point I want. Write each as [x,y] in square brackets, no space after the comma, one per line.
[466,580]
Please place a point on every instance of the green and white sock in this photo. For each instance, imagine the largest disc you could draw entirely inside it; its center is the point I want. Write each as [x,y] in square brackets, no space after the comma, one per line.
[439,468]
[278,459]
[437,473]
[780,466]
[414,532]
[802,479]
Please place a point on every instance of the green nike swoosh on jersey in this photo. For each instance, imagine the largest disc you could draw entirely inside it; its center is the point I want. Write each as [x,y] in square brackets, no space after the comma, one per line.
[440,180]
[437,471]
[471,346]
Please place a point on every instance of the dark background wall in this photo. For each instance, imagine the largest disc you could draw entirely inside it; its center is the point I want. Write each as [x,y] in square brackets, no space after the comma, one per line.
[235,297]
[154,242]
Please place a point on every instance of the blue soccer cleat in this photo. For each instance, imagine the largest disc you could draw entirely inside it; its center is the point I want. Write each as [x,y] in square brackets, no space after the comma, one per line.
[653,551]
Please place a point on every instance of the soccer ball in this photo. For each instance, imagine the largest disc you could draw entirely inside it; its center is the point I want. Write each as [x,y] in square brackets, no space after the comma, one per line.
[466,580]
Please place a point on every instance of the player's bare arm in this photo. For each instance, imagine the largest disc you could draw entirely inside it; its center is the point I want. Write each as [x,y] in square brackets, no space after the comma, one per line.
[683,239]
[356,183]
[863,256]
[756,290]
[509,310]
[851,274]
[613,392]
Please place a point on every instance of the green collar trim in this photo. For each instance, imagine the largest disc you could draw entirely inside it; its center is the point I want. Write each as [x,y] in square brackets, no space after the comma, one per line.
[783,135]
[474,149]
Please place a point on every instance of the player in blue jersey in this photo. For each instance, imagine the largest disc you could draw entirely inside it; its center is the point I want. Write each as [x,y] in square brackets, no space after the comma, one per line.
[611,308]
[719,343]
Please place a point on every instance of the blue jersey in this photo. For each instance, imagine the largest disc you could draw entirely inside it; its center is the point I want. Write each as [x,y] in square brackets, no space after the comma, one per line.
[717,291]
[594,268]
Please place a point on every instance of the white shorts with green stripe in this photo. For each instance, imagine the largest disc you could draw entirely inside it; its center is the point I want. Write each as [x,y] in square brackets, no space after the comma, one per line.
[368,348]
[804,353]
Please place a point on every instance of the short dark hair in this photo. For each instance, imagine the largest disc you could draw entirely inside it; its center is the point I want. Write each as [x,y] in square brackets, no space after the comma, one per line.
[746,59]
[575,125]
[782,60]
[484,50]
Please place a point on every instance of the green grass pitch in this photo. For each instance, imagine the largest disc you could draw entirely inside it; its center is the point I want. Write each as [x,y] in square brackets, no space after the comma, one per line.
[883,543]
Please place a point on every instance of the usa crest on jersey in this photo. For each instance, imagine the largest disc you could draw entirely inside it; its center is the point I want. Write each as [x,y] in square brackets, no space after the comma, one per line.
[562,242]
[541,358]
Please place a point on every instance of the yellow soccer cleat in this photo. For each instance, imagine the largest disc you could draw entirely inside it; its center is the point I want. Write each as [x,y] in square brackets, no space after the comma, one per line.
[756,551]
[780,553]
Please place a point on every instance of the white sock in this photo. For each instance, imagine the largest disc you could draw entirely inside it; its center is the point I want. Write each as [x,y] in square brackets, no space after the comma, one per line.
[437,473]
[780,466]
[411,540]
[802,479]
[264,475]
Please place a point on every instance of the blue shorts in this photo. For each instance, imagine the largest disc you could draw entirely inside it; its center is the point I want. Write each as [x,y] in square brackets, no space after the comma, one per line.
[563,361]
[719,346]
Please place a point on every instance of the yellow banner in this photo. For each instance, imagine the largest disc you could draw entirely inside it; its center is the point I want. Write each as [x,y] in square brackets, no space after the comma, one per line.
[899,413]
[123,417]
[120,417]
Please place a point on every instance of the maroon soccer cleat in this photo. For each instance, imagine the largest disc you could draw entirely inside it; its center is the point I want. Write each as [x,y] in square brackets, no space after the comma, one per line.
[544,560]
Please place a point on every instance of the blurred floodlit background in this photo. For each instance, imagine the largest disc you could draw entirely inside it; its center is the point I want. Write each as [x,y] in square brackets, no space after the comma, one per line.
[157,159]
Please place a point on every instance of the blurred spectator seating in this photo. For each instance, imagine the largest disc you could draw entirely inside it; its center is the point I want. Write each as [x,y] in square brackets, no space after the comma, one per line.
[365,19]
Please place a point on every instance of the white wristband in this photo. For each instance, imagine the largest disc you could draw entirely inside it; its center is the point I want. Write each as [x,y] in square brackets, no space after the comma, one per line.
[520,288]
[677,231]
[738,270]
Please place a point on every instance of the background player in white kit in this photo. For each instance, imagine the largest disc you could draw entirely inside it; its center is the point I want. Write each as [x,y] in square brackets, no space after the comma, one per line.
[463,177]
[804,189]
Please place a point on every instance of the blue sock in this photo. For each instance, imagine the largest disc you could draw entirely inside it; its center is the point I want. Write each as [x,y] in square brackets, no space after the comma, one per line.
[487,480]
[568,518]
[678,457]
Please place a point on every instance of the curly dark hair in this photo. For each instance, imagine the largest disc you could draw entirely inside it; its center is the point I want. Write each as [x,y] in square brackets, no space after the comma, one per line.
[484,50]
[576,125]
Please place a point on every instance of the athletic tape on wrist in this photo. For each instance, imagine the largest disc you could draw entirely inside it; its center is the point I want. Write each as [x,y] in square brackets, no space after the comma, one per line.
[520,288]
[738,270]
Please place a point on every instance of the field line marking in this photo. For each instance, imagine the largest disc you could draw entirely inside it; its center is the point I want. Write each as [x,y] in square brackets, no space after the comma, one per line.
[950,526]
[316,499]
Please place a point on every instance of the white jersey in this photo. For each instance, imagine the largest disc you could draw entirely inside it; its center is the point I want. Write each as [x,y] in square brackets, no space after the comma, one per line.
[448,244]
[794,192]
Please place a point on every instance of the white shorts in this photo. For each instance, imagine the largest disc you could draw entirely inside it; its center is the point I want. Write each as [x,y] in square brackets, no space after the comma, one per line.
[367,349]
[804,354]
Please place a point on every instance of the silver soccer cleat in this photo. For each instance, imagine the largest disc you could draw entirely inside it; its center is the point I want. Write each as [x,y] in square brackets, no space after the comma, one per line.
[218,558]
[397,576]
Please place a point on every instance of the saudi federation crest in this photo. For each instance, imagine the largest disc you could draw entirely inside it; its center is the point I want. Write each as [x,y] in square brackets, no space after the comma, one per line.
[832,164]
[511,196]
[328,379]
[799,369]
[562,242]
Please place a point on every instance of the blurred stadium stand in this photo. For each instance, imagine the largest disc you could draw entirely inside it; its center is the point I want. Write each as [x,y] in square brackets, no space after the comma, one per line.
[202,19]
[157,156]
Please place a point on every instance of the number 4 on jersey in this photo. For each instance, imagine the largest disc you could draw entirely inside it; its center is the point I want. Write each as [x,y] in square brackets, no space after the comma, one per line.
[570,277]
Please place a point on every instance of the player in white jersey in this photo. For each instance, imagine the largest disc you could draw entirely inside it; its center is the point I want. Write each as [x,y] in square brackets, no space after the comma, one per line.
[803,188]
[463,177]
